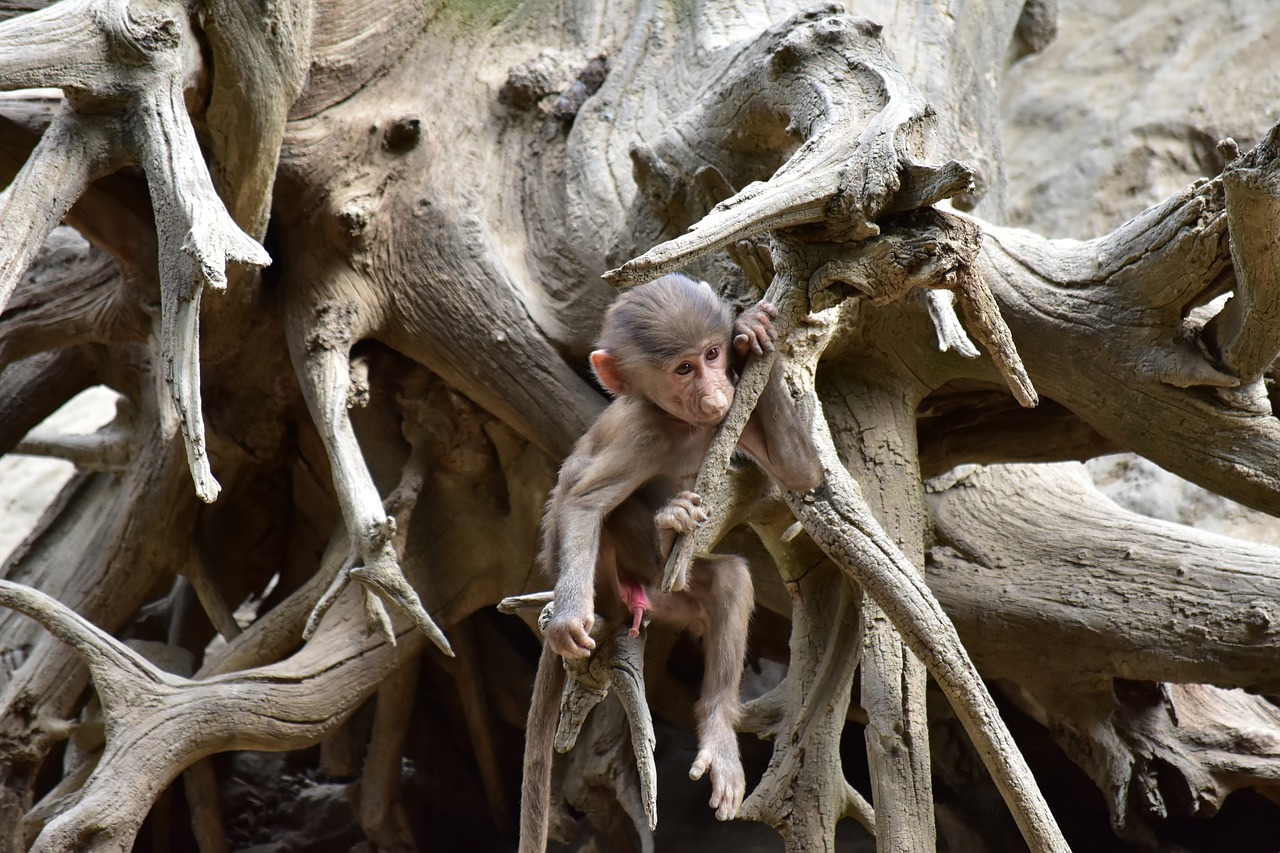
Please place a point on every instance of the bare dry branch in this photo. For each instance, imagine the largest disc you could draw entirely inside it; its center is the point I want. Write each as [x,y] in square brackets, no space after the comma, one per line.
[100,451]
[840,523]
[951,335]
[327,379]
[74,150]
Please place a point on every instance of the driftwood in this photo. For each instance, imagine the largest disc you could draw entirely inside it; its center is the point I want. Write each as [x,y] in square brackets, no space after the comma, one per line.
[1153,614]
[387,403]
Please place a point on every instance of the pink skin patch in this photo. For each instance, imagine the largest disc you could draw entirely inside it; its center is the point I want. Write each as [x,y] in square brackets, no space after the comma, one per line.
[635,599]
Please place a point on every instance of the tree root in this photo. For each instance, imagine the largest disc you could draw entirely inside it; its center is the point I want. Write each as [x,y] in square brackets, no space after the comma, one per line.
[481,722]
[157,724]
[1155,591]
[145,123]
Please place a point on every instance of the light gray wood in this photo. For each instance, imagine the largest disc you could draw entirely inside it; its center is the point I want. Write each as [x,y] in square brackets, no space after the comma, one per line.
[444,191]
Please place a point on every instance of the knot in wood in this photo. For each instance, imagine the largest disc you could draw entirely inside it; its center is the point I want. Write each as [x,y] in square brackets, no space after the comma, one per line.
[816,32]
[403,135]
[1260,617]
[137,38]
[531,81]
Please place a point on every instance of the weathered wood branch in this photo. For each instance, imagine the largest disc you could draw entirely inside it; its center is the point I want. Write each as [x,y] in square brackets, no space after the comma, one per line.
[711,483]
[379,803]
[933,250]
[1117,332]
[107,450]
[617,666]
[158,724]
[332,384]
[1246,334]
[35,387]
[857,161]
[1032,561]
[76,300]
[73,151]
[117,113]
[875,435]
[114,212]
[262,56]
[1132,597]
[838,520]
[98,529]
[805,715]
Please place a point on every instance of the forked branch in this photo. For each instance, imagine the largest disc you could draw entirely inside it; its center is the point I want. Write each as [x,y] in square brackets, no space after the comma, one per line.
[1123,321]
[617,664]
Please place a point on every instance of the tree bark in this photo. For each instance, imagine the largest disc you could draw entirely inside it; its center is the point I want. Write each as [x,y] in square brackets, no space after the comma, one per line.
[874,421]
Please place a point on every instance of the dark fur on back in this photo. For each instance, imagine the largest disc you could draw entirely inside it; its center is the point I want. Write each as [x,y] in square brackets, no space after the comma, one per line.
[656,322]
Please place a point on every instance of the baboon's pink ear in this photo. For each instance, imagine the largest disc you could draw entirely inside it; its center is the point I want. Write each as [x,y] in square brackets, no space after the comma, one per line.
[606,369]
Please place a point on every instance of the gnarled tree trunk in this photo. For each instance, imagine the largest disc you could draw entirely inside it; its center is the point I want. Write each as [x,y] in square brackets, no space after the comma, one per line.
[408,218]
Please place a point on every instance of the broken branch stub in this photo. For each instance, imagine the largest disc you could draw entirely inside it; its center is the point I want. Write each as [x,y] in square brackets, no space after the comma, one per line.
[941,305]
[117,113]
[617,663]
[1247,331]
[928,249]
